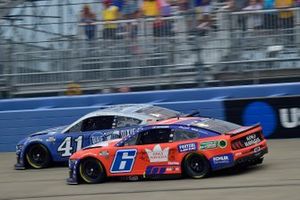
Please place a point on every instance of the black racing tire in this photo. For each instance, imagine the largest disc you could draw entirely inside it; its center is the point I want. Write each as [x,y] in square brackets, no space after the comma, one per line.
[38,156]
[196,166]
[92,171]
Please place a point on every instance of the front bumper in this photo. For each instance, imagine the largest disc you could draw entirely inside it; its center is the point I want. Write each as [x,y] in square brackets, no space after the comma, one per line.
[19,166]
[20,161]
[72,181]
[73,170]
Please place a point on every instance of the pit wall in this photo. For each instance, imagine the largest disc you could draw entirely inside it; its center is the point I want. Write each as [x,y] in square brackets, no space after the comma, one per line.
[275,106]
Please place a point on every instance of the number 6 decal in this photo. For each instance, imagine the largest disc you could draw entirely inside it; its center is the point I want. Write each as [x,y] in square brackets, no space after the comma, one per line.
[123,161]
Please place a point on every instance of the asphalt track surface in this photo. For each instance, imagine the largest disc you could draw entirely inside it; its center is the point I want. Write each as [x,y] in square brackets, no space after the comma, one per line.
[277,178]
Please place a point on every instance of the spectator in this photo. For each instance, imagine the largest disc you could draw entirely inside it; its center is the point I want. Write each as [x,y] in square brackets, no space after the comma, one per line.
[73,89]
[204,23]
[238,6]
[183,5]
[131,11]
[124,89]
[88,18]
[229,5]
[150,8]
[163,27]
[286,18]
[164,8]
[110,13]
[254,20]
[270,18]
[268,4]
[119,4]
[107,90]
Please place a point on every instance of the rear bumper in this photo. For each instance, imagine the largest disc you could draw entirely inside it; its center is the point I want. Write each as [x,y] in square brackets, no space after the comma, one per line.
[252,159]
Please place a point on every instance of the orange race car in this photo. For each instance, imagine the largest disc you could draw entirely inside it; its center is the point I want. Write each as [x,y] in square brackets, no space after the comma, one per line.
[193,146]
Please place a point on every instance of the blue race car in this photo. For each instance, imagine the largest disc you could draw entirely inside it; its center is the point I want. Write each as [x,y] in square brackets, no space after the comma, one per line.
[40,150]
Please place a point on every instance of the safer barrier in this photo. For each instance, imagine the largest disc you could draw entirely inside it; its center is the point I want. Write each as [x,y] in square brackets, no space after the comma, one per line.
[279,116]
[20,117]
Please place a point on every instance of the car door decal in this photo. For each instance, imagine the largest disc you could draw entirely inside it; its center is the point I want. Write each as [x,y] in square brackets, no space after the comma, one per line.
[123,161]
[65,148]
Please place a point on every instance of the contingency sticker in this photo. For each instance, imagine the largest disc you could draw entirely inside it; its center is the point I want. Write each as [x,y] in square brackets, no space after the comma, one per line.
[158,154]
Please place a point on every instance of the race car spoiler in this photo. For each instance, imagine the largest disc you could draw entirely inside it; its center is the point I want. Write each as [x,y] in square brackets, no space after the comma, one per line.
[243,129]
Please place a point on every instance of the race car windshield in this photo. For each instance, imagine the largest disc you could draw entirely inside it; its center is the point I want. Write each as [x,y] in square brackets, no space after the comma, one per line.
[217,125]
[158,112]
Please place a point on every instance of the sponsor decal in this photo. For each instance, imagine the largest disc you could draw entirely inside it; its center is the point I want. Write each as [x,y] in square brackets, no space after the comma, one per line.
[209,145]
[222,144]
[172,169]
[256,149]
[111,134]
[50,139]
[173,163]
[187,147]
[133,178]
[160,169]
[154,170]
[252,139]
[104,153]
[222,159]
[157,154]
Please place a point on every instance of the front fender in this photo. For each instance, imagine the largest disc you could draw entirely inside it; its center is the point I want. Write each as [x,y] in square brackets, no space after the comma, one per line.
[21,154]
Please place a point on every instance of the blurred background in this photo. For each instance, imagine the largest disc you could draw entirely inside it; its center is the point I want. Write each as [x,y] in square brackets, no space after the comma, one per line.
[58,47]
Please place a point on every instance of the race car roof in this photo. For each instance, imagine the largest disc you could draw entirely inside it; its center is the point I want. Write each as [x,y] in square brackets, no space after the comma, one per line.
[124,108]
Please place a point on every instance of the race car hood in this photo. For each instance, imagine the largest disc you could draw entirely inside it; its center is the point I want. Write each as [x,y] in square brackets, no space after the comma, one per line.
[51,131]
[103,144]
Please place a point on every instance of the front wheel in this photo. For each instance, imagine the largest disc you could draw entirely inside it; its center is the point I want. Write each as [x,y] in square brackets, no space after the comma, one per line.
[38,156]
[196,166]
[92,171]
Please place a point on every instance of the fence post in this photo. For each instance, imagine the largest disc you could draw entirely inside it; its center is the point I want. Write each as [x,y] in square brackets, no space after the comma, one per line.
[297,25]
[8,69]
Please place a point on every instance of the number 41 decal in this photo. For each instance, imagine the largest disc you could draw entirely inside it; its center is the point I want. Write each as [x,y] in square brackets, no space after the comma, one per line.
[65,147]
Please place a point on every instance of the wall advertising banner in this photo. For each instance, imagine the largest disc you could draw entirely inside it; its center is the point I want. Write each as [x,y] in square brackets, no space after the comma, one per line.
[279,116]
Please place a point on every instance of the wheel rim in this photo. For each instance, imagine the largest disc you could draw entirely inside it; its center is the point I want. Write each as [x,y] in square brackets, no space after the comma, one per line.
[37,156]
[197,164]
[91,170]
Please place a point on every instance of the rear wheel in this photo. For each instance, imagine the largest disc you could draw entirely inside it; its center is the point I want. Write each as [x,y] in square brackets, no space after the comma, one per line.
[196,166]
[92,171]
[38,156]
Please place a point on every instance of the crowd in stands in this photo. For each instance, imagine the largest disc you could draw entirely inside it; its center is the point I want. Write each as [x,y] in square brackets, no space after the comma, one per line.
[114,10]
[198,14]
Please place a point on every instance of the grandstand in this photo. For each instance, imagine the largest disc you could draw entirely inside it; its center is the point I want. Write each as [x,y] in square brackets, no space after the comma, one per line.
[42,52]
